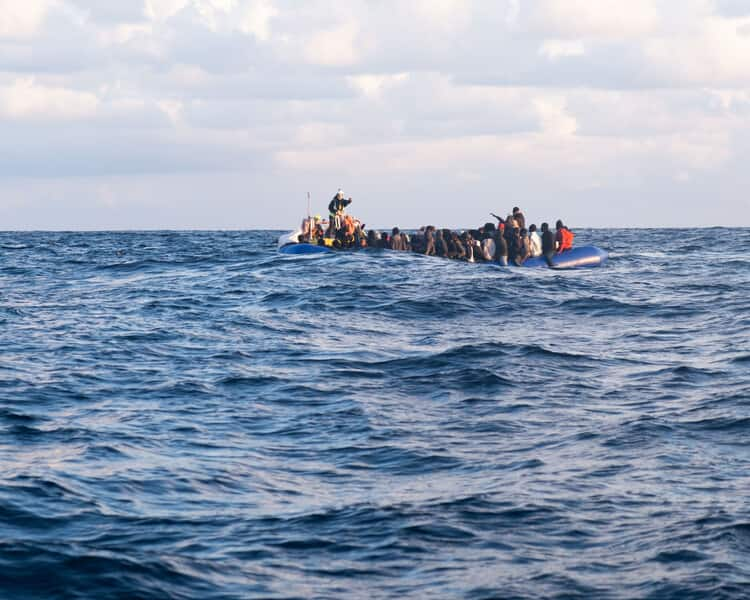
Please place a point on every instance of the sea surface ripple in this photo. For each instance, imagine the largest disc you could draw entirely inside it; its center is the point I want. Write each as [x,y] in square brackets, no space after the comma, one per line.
[192,415]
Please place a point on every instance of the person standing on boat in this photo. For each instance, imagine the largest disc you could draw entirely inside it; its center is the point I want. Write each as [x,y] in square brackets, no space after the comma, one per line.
[518,216]
[336,209]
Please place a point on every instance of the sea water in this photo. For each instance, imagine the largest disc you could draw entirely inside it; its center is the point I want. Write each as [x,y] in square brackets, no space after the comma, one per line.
[192,415]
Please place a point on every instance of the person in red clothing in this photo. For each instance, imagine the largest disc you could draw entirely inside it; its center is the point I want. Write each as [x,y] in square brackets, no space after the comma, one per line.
[563,238]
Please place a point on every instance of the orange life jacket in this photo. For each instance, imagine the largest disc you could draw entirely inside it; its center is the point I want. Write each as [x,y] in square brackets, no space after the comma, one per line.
[567,239]
[348,225]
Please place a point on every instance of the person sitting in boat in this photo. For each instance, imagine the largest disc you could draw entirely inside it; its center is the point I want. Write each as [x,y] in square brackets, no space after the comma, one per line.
[441,243]
[563,237]
[548,244]
[318,232]
[535,242]
[398,241]
[429,241]
[523,247]
[456,248]
[373,238]
[349,228]
[336,209]
[360,237]
[501,248]
[305,229]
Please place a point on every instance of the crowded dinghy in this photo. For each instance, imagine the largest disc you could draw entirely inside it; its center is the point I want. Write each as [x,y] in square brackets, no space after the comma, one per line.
[505,243]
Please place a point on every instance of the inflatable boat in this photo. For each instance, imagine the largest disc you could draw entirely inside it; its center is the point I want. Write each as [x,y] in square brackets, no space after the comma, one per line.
[579,257]
[289,243]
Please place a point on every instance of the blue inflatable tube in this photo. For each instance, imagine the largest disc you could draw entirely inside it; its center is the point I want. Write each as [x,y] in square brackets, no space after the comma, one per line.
[289,244]
[583,256]
[304,249]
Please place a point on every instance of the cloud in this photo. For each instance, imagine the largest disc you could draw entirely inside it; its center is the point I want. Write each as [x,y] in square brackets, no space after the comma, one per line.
[25,99]
[607,19]
[373,86]
[22,19]
[563,97]
[334,47]
[554,49]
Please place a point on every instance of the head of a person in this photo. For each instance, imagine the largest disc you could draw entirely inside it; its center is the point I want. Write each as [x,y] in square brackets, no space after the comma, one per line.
[516,210]
[395,231]
[340,195]
[489,226]
[532,228]
[559,224]
[545,227]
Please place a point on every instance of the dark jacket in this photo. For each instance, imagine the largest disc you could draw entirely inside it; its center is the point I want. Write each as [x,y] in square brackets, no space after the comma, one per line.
[441,247]
[501,246]
[337,205]
[548,242]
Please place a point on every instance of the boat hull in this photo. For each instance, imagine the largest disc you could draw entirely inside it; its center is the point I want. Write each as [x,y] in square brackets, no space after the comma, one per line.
[304,249]
[580,257]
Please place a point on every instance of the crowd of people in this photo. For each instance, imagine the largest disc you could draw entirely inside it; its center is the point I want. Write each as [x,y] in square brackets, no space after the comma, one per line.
[506,242]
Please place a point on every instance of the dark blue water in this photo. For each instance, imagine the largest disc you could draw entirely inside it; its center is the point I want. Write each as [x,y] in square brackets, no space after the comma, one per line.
[191,415]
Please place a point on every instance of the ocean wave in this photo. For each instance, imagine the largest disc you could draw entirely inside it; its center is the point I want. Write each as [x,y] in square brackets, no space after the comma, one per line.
[193,415]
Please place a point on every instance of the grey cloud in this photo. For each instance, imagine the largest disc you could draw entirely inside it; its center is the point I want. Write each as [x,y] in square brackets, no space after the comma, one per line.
[81,150]
[733,8]
[113,11]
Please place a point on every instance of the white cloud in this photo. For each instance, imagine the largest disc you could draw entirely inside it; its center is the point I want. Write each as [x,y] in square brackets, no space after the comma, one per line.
[255,19]
[158,10]
[335,47]
[172,109]
[25,99]
[373,86]
[447,15]
[610,19]
[554,49]
[20,19]
[715,53]
[554,117]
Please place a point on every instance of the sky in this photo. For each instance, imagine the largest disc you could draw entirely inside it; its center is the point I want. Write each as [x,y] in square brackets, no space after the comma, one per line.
[224,114]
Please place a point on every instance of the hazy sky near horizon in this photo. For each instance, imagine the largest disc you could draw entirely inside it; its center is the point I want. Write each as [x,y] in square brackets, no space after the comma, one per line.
[125,114]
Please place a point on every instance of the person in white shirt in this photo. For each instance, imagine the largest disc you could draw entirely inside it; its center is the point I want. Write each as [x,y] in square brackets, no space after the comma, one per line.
[535,242]
[488,247]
